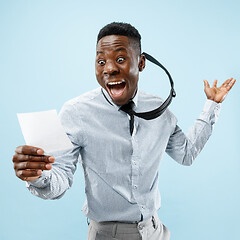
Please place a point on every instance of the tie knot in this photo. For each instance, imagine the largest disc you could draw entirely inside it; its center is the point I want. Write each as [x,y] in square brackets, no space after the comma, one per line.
[128,107]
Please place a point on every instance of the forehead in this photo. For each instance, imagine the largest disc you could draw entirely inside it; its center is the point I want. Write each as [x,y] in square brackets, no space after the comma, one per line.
[113,42]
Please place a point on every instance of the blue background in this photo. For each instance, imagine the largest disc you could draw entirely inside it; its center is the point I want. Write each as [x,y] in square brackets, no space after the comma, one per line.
[47,52]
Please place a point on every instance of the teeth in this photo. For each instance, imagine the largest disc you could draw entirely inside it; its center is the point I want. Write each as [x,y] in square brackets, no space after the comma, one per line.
[115,83]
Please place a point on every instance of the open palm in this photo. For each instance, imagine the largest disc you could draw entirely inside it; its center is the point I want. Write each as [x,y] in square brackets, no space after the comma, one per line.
[218,94]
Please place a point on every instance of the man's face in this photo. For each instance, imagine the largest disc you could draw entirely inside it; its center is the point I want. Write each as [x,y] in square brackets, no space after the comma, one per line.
[117,67]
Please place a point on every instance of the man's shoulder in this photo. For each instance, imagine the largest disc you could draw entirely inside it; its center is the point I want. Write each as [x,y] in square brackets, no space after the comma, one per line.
[148,99]
[80,105]
[84,98]
[148,102]
[145,95]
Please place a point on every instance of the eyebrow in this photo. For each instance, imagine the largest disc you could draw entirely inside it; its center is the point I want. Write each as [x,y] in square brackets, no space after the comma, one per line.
[116,50]
[120,49]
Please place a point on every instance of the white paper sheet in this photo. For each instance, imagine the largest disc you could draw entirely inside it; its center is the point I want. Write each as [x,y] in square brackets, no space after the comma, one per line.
[44,130]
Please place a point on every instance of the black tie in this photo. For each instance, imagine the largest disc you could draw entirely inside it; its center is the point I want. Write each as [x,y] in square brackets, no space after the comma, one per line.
[128,108]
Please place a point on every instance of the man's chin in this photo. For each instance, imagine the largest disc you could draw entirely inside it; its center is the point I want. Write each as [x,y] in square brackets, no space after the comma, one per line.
[119,100]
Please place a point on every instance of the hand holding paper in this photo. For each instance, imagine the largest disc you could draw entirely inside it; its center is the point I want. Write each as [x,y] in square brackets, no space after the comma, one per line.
[43,132]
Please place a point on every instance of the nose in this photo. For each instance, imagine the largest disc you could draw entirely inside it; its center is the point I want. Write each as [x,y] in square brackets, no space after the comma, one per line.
[110,68]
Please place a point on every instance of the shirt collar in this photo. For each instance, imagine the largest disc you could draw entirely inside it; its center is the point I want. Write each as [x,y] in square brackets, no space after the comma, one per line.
[110,101]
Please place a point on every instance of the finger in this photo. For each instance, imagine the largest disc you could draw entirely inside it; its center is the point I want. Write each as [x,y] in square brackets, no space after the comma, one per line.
[21,157]
[225,84]
[23,174]
[32,165]
[30,178]
[215,83]
[25,149]
[230,85]
[206,84]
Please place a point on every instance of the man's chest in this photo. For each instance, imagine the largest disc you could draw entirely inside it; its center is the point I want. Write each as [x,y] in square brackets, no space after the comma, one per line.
[109,145]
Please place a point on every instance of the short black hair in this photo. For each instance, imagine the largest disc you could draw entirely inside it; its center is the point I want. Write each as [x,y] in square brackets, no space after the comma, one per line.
[123,29]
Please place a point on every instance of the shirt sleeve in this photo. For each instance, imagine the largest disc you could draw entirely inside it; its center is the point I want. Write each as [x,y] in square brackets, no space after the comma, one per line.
[184,148]
[54,183]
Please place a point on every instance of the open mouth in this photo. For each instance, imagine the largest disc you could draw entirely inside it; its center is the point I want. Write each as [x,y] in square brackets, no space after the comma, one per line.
[116,89]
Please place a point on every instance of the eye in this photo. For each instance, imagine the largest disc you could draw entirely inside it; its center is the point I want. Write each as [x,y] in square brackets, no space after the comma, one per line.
[101,62]
[120,59]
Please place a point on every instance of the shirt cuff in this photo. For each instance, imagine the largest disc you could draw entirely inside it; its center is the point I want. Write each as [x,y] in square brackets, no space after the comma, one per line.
[41,182]
[212,108]
[211,105]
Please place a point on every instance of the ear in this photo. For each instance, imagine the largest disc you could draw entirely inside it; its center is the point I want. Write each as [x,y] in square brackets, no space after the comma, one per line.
[141,63]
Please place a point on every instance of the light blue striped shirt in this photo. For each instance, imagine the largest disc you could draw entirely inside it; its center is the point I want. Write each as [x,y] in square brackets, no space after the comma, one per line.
[120,170]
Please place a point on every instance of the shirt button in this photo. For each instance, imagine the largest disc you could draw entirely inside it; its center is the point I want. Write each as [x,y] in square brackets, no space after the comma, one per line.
[135,186]
[143,207]
[140,227]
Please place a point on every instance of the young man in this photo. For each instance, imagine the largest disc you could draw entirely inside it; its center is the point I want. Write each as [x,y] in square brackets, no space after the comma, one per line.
[120,158]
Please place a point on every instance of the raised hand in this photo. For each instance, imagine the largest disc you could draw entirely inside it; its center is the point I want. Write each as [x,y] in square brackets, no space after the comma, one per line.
[218,94]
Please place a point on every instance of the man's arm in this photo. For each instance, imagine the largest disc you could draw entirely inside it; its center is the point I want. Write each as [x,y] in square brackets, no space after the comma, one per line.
[184,148]
[54,183]
[49,177]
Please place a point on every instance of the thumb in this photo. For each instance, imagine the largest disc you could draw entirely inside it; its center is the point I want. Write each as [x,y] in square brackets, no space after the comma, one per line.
[206,84]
